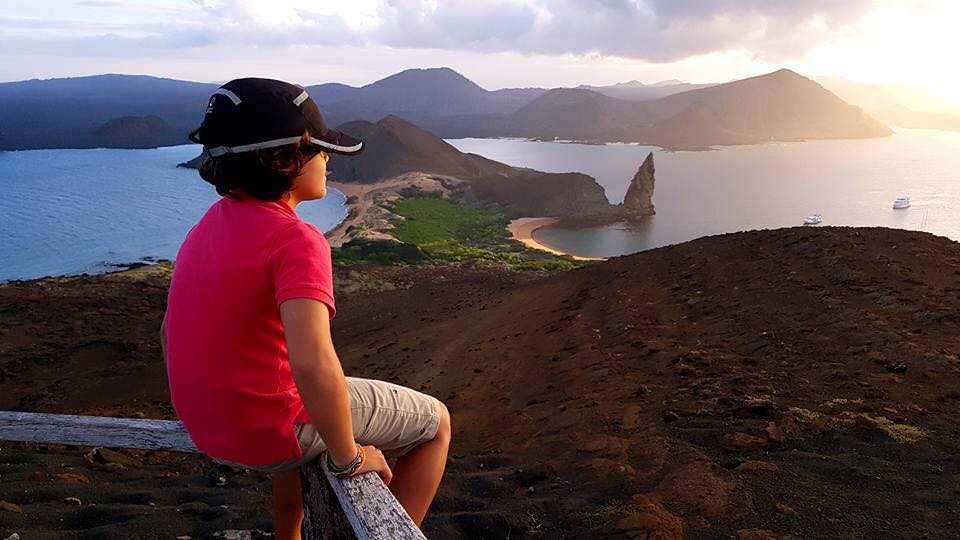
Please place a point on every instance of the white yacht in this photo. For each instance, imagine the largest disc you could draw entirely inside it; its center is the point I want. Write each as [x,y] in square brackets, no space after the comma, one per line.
[815,219]
[901,203]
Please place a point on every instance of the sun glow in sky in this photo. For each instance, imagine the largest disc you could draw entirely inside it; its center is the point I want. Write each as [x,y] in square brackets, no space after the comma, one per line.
[497,43]
[899,43]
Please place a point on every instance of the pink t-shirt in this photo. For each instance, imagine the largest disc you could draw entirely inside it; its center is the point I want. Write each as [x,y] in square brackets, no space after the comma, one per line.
[227,364]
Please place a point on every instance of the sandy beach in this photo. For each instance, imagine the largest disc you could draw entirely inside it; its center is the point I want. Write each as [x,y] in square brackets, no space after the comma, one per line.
[522,230]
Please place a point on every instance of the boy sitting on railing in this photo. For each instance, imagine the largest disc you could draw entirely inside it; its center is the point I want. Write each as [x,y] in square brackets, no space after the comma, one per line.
[253,373]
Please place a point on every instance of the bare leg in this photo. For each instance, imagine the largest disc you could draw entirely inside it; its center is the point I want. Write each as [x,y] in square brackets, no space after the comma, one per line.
[287,504]
[416,476]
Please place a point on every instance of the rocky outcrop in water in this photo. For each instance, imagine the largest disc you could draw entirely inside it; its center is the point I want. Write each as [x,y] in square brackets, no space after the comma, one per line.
[639,200]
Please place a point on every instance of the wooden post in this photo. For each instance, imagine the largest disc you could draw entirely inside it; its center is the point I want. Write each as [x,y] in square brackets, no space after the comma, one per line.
[359,508]
[362,506]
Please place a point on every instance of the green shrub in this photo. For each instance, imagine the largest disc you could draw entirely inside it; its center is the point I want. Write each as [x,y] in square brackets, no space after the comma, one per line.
[380,252]
[431,219]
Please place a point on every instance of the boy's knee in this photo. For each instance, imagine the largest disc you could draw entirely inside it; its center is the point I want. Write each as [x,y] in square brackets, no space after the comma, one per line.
[444,431]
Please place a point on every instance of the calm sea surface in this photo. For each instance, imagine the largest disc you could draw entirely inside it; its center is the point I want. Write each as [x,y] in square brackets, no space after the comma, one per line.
[75,211]
[850,182]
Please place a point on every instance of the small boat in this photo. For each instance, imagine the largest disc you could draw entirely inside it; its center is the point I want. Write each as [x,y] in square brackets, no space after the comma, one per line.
[901,203]
[815,219]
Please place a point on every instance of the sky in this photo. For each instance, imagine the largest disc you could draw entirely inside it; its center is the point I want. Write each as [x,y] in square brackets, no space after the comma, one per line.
[496,43]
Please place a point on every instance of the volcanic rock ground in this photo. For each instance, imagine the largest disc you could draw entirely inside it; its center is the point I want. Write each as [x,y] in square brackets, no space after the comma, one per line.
[798,383]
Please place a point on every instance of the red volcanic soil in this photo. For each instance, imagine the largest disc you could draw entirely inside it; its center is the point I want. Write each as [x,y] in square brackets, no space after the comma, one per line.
[797,383]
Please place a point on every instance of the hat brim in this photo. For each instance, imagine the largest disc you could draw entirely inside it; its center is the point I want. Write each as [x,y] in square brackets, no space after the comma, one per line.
[338,143]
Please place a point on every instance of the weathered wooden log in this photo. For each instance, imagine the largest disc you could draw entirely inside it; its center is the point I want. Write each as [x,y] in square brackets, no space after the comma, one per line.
[95,431]
[352,508]
[367,508]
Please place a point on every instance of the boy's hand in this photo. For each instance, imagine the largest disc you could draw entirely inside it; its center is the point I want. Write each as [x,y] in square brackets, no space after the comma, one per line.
[377,463]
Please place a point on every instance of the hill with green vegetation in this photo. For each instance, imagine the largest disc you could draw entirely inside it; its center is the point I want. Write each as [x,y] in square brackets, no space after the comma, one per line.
[430,229]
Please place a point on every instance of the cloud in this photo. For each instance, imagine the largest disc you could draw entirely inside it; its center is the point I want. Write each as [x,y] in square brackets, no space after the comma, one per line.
[102,3]
[651,30]
[655,30]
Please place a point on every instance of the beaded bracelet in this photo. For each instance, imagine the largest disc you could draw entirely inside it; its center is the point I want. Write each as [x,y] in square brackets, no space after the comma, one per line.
[352,468]
[363,461]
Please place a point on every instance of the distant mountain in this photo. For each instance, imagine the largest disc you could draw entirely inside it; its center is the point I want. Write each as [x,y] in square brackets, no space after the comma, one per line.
[695,127]
[332,92]
[141,112]
[74,112]
[897,104]
[899,115]
[419,93]
[575,114]
[676,82]
[130,128]
[878,96]
[85,112]
[780,106]
[637,91]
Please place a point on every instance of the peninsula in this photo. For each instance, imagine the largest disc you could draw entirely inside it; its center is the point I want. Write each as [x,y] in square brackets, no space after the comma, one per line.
[402,158]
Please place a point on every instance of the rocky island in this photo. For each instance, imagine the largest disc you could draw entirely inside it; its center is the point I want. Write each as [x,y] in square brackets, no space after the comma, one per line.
[405,156]
[402,157]
[638,203]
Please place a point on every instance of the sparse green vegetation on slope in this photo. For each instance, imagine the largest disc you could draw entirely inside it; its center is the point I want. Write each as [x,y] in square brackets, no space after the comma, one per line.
[434,229]
[430,219]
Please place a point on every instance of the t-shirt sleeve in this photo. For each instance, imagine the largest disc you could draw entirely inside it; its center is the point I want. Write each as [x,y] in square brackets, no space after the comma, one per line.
[302,267]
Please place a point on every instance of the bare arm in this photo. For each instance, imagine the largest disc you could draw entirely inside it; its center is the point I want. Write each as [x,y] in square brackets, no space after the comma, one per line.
[317,372]
[319,378]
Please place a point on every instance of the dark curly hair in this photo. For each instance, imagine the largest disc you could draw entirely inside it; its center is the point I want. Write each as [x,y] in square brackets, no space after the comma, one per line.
[263,174]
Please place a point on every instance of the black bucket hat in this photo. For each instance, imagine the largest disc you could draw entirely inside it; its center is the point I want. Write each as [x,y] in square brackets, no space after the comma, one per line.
[252,113]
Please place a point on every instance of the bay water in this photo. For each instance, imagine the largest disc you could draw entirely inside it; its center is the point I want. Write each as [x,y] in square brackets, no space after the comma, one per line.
[88,211]
[850,182]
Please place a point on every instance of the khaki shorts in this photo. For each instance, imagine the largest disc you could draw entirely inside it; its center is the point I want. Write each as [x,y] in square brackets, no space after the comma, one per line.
[393,418]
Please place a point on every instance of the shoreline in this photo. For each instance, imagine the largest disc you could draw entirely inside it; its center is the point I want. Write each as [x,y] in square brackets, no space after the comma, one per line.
[522,230]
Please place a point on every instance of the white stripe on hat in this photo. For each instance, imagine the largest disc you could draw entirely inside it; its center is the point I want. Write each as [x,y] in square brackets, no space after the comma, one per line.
[338,148]
[221,150]
[224,92]
[300,99]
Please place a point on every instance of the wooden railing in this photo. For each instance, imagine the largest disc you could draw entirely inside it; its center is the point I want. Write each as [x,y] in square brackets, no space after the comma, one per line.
[361,507]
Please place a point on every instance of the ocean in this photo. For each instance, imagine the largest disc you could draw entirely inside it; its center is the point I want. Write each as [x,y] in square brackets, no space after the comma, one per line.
[850,182]
[90,211]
